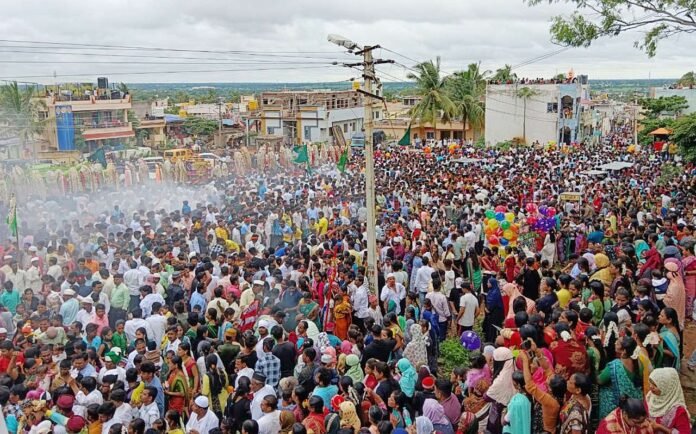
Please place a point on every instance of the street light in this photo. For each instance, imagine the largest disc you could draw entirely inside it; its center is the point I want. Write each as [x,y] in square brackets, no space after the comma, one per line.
[369,75]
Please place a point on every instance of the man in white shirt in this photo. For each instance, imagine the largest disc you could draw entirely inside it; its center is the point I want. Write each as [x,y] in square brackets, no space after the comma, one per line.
[361,305]
[392,292]
[240,366]
[468,308]
[135,323]
[269,423]
[202,420]
[85,395]
[423,279]
[124,413]
[158,323]
[440,306]
[148,411]
[260,390]
[84,315]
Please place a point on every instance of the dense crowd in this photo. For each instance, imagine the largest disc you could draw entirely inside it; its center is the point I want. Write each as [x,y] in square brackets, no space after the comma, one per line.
[245,308]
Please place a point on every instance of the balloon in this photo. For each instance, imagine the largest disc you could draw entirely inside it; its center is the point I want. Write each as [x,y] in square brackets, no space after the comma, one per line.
[470,340]
[488,231]
[551,211]
[515,227]
[500,208]
[500,216]
[490,213]
[493,240]
[493,224]
[531,221]
[498,233]
[510,216]
[509,234]
[505,225]
[504,242]
[543,210]
[531,208]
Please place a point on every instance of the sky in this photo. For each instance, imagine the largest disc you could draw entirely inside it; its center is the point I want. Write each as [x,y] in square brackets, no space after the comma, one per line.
[286,41]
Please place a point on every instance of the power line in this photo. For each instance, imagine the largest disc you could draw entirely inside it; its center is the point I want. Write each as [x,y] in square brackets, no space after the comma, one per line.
[77,46]
[136,62]
[164,72]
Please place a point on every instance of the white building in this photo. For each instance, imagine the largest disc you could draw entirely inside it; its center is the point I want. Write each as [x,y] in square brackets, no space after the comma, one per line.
[552,114]
[307,116]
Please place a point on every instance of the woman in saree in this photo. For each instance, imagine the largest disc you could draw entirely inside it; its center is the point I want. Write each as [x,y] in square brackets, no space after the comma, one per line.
[620,377]
[629,417]
[342,311]
[176,387]
[675,297]
[309,309]
[474,271]
[669,334]
[689,263]
[513,292]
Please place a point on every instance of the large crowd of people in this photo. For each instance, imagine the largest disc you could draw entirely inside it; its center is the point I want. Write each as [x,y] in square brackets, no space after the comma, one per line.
[246,308]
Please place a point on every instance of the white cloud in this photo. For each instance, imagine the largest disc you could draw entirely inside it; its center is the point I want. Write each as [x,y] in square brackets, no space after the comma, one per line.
[495,32]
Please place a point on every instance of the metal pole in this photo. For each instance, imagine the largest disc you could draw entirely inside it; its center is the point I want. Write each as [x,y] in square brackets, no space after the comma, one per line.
[635,122]
[220,122]
[372,273]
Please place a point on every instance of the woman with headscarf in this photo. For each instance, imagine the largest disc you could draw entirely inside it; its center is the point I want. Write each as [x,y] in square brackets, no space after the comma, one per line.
[407,382]
[676,294]
[349,416]
[436,414]
[474,407]
[354,370]
[501,391]
[603,271]
[518,418]
[495,311]
[424,426]
[513,292]
[416,351]
[669,353]
[666,404]
[287,420]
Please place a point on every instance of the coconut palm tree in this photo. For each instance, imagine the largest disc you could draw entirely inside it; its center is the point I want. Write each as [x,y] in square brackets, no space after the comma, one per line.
[435,103]
[19,111]
[467,89]
[525,94]
[504,74]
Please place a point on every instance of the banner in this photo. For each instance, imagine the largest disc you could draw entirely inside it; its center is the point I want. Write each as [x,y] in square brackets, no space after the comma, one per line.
[65,126]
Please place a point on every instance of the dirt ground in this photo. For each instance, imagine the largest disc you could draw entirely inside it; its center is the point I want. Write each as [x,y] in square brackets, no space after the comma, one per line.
[688,376]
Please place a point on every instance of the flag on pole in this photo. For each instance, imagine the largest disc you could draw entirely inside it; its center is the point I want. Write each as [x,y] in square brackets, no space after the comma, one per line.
[342,162]
[12,216]
[406,139]
[303,157]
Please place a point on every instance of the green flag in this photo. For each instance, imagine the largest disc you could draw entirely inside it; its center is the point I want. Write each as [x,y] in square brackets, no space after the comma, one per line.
[98,156]
[12,217]
[302,154]
[342,162]
[406,139]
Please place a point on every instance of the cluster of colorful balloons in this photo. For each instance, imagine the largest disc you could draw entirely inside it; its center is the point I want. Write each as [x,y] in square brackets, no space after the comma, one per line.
[500,227]
[541,219]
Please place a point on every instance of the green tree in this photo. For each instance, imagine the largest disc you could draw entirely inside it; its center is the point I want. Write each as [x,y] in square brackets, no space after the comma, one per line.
[665,104]
[595,19]
[19,112]
[525,94]
[466,90]
[684,135]
[435,103]
[650,124]
[504,74]
[199,126]
[688,79]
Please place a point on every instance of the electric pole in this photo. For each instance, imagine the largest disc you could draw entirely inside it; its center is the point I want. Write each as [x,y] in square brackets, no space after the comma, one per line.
[368,65]
[635,122]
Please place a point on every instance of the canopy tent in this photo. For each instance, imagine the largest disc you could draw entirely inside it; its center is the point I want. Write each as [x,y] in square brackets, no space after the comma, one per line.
[661,132]
[593,172]
[615,165]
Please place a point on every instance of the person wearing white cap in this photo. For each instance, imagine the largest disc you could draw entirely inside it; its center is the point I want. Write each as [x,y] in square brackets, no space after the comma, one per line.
[34,276]
[85,314]
[202,420]
[70,307]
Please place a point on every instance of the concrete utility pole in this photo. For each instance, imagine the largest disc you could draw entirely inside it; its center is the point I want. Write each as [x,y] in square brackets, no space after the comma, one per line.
[635,122]
[220,121]
[369,77]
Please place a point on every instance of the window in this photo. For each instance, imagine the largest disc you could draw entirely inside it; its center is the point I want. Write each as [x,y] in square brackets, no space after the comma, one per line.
[430,135]
[376,115]
[271,130]
[352,126]
[552,107]
[345,128]
[307,133]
